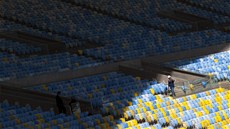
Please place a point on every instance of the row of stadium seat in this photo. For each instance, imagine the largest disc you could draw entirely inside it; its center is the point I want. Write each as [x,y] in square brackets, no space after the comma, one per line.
[143,12]
[6,25]
[102,88]
[17,47]
[214,17]
[17,117]
[145,45]
[146,12]
[216,65]
[144,109]
[15,67]
[193,111]
[221,6]
[227,28]
[63,19]
[126,40]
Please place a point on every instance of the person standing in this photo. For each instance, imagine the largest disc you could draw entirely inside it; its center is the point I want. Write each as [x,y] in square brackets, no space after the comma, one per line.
[72,104]
[60,104]
[171,85]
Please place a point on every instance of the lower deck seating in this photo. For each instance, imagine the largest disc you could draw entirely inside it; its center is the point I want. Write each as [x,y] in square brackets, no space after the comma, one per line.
[207,109]
[102,88]
[146,108]
[216,65]
[18,117]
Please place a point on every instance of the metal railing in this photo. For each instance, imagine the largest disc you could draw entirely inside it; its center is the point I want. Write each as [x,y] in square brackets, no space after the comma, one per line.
[198,85]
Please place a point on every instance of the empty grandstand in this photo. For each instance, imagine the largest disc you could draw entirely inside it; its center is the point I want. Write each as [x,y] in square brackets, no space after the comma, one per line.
[104,64]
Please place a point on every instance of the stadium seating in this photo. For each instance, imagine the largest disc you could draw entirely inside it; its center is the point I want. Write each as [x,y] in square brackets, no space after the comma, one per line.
[138,104]
[214,17]
[146,11]
[227,28]
[217,65]
[144,108]
[17,47]
[134,30]
[198,110]
[205,109]
[139,11]
[122,40]
[146,45]
[221,6]
[63,19]
[17,117]
[15,67]
[102,88]
[6,25]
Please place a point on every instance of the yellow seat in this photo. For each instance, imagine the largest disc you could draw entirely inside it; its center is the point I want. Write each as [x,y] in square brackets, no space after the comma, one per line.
[137,126]
[26,125]
[155,117]
[138,78]
[229,67]
[211,127]
[206,111]
[129,103]
[184,98]
[152,91]
[77,64]
[38,126]
[38,116]
[167,119]
[191,86]
[119,126]
[61,126]
[178,120]
[139,100]
[122,119]
[152,127]
[80,52]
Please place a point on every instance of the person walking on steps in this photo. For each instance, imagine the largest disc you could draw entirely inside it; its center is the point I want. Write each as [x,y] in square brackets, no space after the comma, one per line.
[171,85]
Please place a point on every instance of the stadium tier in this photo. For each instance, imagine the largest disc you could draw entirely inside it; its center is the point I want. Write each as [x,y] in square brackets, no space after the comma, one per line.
[140,11]
[122,39]
[6,25]
[207,109]
[102,88]
[199,110]
[214,17]
[15,67]
[17,47]
[146,45]
[124,36]
[18,117]
[221,6]
[63,19]
[216,65]
[146,12]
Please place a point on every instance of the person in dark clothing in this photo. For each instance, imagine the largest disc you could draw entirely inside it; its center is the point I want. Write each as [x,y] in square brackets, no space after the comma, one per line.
[171,85]
[60,103]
